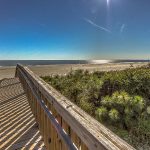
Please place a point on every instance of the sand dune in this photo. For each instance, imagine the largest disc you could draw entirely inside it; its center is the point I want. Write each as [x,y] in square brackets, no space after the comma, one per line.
[9,72]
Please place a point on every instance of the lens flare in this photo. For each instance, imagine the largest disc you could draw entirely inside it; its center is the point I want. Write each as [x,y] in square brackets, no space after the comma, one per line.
[107,2]
[108,13]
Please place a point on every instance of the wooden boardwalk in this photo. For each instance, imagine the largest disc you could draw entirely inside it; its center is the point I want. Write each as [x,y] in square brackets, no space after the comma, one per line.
[18,129]
[62,124]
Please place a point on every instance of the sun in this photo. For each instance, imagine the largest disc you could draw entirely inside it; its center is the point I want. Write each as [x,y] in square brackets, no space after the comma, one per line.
[108,2]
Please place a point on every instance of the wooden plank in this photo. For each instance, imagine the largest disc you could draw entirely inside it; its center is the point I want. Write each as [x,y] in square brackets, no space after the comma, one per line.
[55,124]
[65,127]
[49,129]
[18,130]
[76,140]
[92,133]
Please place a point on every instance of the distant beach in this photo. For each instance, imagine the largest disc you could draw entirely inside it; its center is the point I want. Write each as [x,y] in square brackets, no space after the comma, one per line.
[45,70]
[64,62]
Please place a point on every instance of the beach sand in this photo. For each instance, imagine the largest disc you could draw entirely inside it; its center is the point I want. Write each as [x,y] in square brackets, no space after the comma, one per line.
[45,70]
[7,72]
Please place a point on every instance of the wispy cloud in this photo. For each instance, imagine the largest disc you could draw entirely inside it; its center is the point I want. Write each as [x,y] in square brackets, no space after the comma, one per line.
[96,25]
[122,28]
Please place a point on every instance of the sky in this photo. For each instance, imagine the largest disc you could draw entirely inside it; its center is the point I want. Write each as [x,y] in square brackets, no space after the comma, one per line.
[74,29]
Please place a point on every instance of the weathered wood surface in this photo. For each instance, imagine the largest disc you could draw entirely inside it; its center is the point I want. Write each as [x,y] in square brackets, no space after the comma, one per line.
[18,129]
[83,130]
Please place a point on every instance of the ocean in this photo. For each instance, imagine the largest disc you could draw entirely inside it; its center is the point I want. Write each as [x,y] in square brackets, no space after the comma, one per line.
[55,62]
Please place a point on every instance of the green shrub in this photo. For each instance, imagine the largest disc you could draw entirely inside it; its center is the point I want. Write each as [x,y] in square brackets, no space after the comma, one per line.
[114,115]
[87,106]
[148,110]
[123,108]
[101,114]
[119,99]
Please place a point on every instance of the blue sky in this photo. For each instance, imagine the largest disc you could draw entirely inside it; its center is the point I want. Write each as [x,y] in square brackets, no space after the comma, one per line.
[74,29]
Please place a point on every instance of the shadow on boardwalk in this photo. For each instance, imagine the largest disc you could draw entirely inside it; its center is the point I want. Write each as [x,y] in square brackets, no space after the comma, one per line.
[18,129]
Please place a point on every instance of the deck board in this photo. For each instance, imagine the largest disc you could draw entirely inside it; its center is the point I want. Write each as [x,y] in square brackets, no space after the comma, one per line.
[18,128]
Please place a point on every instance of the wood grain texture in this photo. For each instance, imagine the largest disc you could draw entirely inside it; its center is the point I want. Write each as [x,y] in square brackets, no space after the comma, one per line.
[50,114]
[18,128]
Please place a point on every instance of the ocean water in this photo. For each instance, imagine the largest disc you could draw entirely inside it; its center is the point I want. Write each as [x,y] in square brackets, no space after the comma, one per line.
[54,62]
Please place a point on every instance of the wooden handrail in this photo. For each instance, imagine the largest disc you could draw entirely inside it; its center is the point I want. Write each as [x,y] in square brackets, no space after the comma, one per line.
[62,124]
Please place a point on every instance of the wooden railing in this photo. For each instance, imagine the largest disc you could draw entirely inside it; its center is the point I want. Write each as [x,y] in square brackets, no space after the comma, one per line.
[62,124]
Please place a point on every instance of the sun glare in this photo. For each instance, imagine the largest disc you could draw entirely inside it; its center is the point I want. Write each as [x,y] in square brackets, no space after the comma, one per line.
[107,2]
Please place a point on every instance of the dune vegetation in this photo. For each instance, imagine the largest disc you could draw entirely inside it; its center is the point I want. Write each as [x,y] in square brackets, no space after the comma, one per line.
[118,99]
